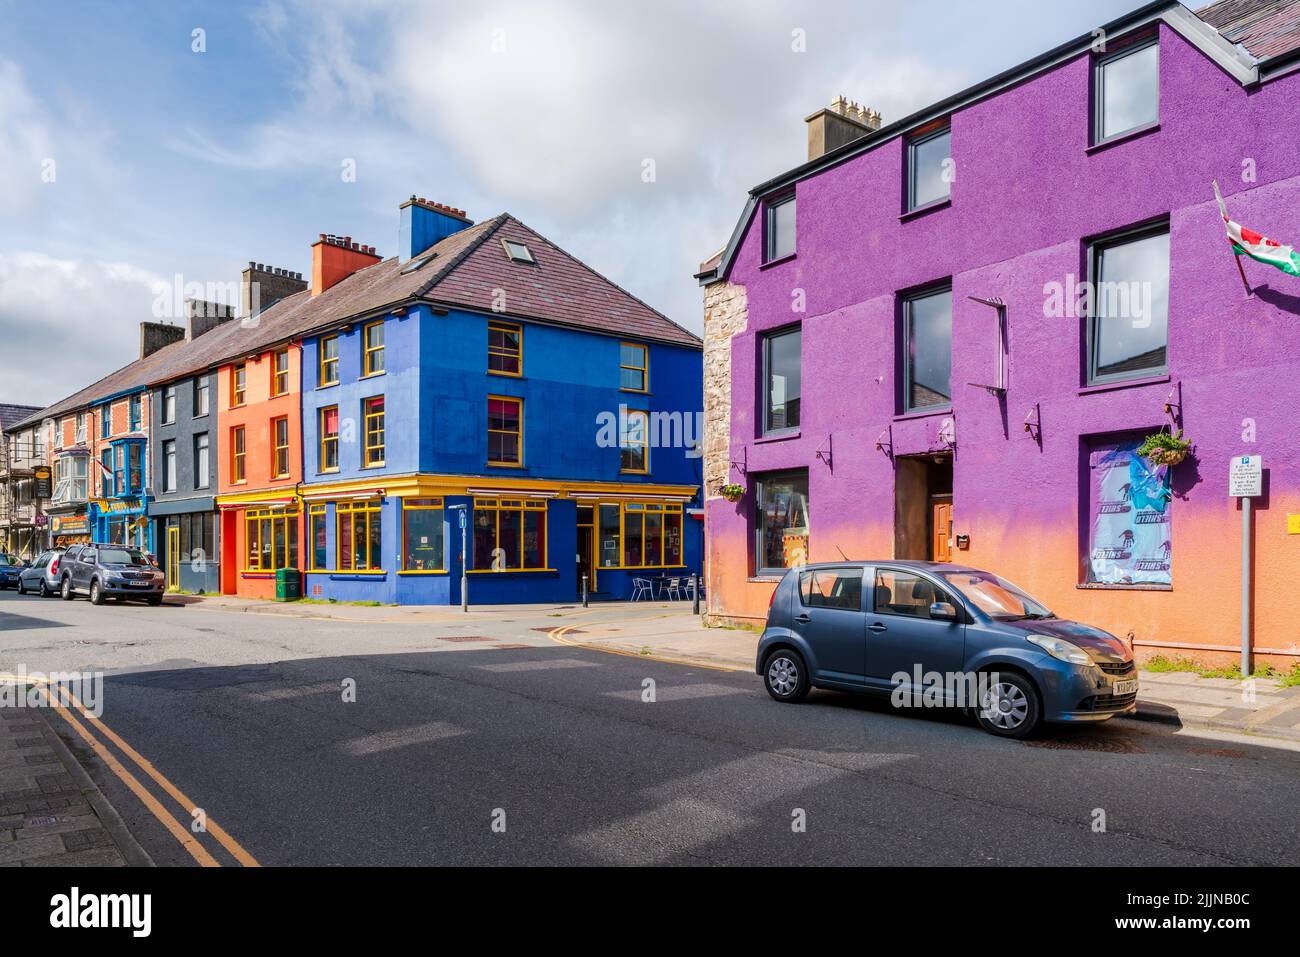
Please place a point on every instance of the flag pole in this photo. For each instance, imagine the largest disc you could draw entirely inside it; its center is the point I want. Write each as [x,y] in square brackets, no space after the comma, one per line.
[1223,211]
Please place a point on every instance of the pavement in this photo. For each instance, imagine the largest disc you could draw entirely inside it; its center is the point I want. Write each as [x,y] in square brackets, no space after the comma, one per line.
[305,739]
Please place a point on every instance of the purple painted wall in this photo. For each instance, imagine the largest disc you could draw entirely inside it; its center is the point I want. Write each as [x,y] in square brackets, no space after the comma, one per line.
[1027,194]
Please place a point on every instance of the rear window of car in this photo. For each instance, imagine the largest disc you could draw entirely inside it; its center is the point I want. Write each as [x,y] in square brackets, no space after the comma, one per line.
[831,588]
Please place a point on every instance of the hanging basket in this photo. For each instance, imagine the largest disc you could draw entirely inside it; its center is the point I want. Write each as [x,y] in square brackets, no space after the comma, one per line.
[1170,457]
[732,493]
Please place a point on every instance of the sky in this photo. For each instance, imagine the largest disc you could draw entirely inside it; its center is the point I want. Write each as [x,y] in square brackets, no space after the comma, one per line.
[149,147]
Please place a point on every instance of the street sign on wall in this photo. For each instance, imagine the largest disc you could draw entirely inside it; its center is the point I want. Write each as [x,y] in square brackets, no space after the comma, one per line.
[41,482]
[1246,476]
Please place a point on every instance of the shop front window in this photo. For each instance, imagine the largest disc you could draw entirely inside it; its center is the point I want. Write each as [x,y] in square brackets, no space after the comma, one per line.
[360,536]
[781,525]
[422,535]
[509,534]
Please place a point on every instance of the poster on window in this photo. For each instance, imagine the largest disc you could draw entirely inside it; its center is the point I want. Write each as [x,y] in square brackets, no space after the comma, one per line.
[1130,524]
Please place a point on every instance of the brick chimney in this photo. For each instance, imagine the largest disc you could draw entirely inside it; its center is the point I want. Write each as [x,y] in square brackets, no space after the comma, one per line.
[155,335]
[334,258]
[424,222]
[844,122]
[262,285]
[203,316]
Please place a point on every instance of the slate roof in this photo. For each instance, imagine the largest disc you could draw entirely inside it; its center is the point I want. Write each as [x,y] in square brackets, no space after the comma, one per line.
[1266,28]
[13,414]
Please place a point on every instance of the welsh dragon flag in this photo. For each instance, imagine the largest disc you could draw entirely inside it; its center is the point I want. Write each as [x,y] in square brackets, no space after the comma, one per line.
[1247,242]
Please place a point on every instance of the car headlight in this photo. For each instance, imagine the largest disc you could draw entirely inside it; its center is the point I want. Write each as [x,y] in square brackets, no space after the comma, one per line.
[1062,649]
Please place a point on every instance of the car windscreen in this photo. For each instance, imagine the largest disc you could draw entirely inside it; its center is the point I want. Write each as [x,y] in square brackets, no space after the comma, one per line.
[122,556]
[994,596]
[4,560]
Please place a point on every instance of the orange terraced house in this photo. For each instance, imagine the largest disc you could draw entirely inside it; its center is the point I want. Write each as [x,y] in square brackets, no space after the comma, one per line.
[259,423]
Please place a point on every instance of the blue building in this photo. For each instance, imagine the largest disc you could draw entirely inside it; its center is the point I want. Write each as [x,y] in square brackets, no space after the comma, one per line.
[484,372]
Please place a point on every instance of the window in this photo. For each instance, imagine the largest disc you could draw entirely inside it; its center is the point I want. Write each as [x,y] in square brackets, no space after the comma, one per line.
[200,396]
[634,442]
[318,557]
[202,460]
[359,536]
[71,479]
[831,588]
[634,367]
[1126,90]
[105,421]
[778,228]
[781,381]
[238,384]
[505,430]
[196,535]
[329,439]
[636,535]
[237,454]
[1129,522]
[373,409]
[280,373]
[781,525]
[280,447]
[169,465]
[509,534]
[168,415]
[1129,324]
[373,361]
[107,472]
[518,252]
[422,535]
[927,345]
[929,160]
[898,592]
[329,360]
[505,349]
[271,539]
[81,428]
[135,467]
[133,410]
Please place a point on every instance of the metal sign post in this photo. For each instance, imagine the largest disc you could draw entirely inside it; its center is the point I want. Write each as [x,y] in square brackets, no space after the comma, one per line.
[463,512]
[1245,481]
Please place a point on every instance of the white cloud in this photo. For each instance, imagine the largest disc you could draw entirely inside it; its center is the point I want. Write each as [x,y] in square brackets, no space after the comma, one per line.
[69,321]
[25,142]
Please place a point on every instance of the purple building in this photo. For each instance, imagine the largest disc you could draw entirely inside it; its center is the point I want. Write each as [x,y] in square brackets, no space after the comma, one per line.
[946,337]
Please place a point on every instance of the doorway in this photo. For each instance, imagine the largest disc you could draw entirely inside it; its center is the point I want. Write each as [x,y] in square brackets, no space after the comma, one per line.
[586,546]
[173,558]
[923,507]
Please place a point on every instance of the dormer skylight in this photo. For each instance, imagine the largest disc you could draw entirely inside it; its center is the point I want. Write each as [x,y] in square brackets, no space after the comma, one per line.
[417,262]
[518,252]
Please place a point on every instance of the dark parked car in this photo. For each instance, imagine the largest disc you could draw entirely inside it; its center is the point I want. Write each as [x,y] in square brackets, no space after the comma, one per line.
[10,566]
[935,633]
[42,575]
[109,571]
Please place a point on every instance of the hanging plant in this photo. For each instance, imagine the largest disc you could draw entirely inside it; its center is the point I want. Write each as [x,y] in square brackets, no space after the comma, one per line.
[1162,448]
[732,492]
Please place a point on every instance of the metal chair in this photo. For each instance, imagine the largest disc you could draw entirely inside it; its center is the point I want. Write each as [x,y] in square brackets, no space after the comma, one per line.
[641,589]
[674,589]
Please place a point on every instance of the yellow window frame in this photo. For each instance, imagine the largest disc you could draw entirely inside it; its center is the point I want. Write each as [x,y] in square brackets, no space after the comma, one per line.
[373,453]
[420,505]
[363,513]
[253,519]
[644,444]
[638,511]
[505,352]
[643,368]
[314,513]
[327,441]
[369,364]
[329,366]
[280,376]
[519,406]
[522,506]
[238,384]
[238,453]
[277,448]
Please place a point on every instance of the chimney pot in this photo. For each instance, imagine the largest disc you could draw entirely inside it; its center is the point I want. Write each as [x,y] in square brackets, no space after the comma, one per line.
[843,122]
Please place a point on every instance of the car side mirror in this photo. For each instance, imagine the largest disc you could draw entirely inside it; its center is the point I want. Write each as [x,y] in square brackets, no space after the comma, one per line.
[943,611]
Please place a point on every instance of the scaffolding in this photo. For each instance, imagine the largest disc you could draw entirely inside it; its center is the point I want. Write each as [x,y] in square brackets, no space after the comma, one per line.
[22,532]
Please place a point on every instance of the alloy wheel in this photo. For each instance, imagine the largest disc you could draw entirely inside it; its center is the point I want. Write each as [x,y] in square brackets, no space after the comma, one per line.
[1005,706]
[783,675]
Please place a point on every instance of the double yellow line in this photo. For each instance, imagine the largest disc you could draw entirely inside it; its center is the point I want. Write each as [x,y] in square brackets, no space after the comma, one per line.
[174,827]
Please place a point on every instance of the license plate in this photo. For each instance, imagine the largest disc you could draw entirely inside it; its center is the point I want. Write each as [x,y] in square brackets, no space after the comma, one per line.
[1127,686]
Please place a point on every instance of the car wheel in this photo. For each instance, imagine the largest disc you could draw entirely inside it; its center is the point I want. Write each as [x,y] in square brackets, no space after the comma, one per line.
[44,589]
[786,676]
[96,593]
[1011,707]
[65,589]
[22,589]
[155,600]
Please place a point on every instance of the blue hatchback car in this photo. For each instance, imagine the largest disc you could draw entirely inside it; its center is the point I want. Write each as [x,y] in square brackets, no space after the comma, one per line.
[936,634]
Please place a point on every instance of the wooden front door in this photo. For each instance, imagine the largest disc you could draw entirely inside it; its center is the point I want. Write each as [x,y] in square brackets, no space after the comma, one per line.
[941,531]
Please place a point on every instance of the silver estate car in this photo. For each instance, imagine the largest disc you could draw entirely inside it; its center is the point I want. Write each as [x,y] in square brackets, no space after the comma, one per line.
[928,633]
